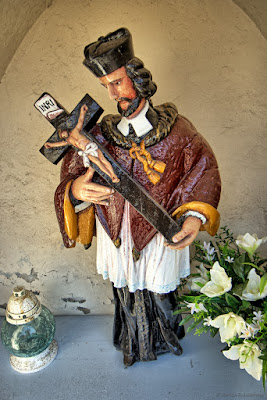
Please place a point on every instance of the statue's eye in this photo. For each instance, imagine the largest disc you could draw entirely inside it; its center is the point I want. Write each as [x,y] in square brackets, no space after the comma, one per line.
[118,83]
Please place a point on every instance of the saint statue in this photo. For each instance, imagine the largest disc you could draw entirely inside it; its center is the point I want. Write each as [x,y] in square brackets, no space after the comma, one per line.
[163,151]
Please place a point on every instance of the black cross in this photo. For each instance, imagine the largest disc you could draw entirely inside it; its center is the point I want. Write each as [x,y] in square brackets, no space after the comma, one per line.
[131,190]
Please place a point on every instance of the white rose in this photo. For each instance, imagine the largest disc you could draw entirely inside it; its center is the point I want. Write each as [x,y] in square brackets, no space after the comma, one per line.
[252,290]
[249,243]
[248,355]
[203,278]
[229,325]
[219,284]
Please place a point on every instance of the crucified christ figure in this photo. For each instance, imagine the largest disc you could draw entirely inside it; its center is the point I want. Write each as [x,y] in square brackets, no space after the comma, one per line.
[78,140]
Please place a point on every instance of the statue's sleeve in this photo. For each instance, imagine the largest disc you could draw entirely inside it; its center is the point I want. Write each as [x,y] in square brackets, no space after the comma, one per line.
[199,185]
[71,168]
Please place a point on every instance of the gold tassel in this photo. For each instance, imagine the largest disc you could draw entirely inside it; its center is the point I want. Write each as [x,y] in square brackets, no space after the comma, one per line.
[136,254]
[147,161]
[158,166]
[117,242]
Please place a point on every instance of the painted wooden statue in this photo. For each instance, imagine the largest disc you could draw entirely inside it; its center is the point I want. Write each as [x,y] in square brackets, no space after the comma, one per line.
[143,268]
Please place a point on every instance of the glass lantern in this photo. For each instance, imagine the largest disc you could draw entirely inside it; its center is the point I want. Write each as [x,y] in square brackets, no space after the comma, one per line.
[28,332]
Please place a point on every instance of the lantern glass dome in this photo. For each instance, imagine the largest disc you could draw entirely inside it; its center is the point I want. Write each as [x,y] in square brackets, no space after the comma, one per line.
[30,339]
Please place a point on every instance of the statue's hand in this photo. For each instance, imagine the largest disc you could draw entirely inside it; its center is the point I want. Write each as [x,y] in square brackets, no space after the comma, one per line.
[186,235]
[85,190]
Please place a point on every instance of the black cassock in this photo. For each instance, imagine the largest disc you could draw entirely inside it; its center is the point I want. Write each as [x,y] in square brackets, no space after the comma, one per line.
[145,325]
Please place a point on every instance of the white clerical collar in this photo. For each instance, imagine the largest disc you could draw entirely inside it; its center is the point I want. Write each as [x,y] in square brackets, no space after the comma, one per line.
[140,123]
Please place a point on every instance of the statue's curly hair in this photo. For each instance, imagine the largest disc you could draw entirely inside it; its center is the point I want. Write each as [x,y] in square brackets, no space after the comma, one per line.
[141,78]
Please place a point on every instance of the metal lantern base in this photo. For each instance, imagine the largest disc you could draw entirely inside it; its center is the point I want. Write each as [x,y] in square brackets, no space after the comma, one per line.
[28,365]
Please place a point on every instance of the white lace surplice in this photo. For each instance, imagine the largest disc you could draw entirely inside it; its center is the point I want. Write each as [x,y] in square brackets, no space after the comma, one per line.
[159,268]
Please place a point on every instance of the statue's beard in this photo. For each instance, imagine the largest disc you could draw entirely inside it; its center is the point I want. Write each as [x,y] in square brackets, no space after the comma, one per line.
[133,105]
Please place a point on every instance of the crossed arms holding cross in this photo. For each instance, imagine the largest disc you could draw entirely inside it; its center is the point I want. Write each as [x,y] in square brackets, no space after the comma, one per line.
[84,189]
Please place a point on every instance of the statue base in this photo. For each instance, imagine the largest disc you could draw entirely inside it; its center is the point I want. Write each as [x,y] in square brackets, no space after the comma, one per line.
[28,365]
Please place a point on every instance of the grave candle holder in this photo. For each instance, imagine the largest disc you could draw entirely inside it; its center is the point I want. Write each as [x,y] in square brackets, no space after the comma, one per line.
[28,332]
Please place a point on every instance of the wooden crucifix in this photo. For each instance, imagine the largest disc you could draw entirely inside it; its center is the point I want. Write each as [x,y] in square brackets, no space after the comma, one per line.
[56,147]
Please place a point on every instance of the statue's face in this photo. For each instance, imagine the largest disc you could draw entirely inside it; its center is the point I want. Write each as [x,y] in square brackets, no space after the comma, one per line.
[120,88]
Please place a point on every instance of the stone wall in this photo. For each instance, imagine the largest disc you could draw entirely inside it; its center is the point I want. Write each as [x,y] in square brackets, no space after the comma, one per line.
[206,56]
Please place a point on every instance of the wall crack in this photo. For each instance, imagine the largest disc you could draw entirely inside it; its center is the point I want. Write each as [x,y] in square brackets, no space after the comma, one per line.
[73,299]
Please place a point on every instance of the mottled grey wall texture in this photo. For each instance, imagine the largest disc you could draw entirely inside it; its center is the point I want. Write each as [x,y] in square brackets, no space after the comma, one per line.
[208,57]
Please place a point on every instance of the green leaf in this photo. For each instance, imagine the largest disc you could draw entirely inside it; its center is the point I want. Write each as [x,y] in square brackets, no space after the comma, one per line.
[193,326]
[217,308]
[238,289]
[262,262]
[251,265]
[238,266]
[213,331]
[182,310]
[263,283]
[245,305]
[190,299]
[264,372]
[264,357]
[231,300]
[217,300]
[246,270]
[199,284]
[186,319]
[202,261]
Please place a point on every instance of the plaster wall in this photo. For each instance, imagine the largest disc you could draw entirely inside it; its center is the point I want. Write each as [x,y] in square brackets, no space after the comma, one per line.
[206,56]
[257,11]
[16,18]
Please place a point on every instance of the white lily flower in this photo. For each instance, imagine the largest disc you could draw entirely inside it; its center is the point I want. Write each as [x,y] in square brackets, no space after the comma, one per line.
[229,259]
[219,284]
[248,332]
[209,257]
[229,325]
[208,248]
[207,321]
[249,243]
[252,290]
[196,307]
[192,307]
[202,307]
[203,278]
[247,353]
[258,316]
[255,328]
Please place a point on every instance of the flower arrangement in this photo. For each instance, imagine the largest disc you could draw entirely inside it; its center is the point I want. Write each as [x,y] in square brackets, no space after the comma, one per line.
[229,295]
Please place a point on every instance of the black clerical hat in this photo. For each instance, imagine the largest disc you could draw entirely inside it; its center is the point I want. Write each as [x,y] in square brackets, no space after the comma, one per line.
[109,52]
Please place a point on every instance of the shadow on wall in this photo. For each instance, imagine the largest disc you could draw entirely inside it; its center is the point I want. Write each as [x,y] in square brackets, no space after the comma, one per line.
[256,11]
[16,19]
[18,16]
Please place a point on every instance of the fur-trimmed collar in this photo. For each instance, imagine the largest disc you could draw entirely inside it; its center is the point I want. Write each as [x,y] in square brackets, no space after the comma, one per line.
[161,117]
